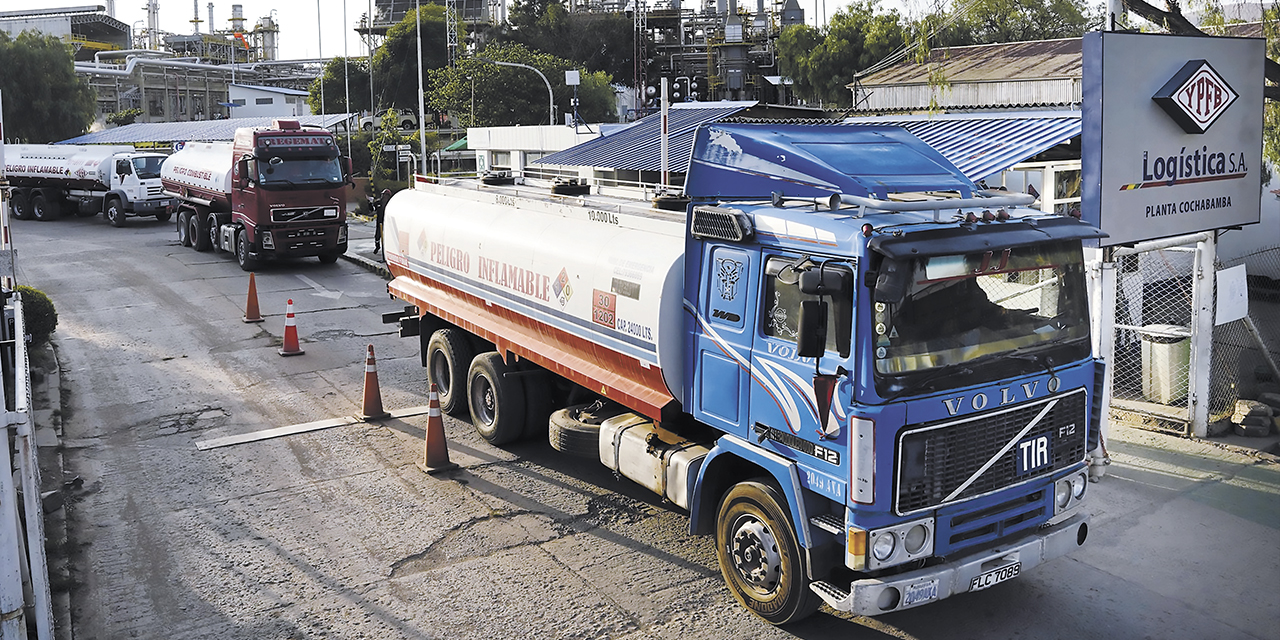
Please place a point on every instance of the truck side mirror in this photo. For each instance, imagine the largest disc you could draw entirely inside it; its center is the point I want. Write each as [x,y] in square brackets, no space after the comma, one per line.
[347,171]
[891,284]
[122,168]
[242,173]
[811,339]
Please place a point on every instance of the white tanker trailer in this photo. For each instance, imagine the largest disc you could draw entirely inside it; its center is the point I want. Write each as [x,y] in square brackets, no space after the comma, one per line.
[868,379]
[47,180]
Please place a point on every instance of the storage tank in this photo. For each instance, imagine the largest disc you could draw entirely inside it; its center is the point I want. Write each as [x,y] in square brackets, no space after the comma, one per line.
[71,166]
[578,283]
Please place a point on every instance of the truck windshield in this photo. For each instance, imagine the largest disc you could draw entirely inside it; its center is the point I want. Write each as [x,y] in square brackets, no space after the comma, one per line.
[299,173]
[148,168]
[961,311]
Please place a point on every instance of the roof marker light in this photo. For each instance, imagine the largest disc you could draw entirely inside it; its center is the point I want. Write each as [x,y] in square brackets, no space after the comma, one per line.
[1002,215]
[987,216]
[867,229]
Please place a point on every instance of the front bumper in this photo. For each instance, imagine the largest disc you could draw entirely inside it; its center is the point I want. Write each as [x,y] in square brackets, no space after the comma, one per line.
[874,596]
[151,207]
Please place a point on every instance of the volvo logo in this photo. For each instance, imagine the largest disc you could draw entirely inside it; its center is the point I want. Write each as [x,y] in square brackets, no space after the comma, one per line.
[1195,96]
[1008,395]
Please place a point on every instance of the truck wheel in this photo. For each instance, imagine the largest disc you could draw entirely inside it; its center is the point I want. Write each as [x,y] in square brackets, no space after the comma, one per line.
[329,258]
[184,229]
[496,401]
[242,252]
[212,224]
[199,235]
[164,215]
[42,210]
[114,212]
[20,202]
[448,355]
[759,556]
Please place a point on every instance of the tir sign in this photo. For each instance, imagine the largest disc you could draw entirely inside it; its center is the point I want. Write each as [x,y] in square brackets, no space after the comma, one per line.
[1195,96]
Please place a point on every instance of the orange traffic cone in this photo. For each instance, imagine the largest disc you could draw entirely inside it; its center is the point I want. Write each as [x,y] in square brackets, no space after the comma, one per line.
[435,451]
[251,313]
[372,395]
[290,347]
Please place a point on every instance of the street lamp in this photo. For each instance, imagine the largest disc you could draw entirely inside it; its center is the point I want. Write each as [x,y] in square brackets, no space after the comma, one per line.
[551,100]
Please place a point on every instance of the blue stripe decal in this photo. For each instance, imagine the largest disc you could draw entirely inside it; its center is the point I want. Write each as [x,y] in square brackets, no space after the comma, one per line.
[547,315]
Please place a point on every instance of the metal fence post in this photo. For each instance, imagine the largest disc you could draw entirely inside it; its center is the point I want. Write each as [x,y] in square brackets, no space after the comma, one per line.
[1202,333]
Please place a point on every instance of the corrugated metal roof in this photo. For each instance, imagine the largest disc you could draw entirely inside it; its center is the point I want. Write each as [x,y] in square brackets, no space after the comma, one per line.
[200,131]
[635,148]
[982,145]
[1036,60]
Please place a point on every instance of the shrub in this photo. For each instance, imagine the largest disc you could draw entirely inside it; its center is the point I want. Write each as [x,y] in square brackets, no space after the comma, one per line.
[38,314]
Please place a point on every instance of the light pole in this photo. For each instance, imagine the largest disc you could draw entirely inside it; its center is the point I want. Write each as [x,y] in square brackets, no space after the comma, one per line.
[551,100]
[422,111]
[473,100]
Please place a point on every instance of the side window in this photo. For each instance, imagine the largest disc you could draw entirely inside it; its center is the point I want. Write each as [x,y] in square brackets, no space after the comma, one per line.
[780,306]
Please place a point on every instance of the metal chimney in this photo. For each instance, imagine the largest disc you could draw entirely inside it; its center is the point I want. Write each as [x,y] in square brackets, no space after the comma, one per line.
[212,25]
[237,18]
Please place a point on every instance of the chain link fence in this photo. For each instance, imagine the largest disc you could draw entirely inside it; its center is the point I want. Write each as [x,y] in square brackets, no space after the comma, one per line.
[1239,367]
[1153,320]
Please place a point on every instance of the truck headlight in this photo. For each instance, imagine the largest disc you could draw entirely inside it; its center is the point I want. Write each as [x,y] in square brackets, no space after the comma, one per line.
[1078,484]
[342,234]
[1062,493]
[914,541]
[883,547]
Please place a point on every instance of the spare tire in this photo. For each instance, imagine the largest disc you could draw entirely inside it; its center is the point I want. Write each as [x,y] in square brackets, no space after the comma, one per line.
[576,430]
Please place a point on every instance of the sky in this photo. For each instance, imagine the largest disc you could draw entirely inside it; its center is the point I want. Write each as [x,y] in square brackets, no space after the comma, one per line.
[297,19]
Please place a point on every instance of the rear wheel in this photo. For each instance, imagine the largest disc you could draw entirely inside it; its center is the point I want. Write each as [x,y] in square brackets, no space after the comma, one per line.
[759,556]
[496,400]
[42,209]
[242,252]
[212,223]
[448,356]
[20,202]
[199,235]
[184,229]
[114,212]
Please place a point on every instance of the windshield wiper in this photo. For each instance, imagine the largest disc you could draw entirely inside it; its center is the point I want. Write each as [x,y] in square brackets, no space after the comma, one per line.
[1034,355]
[919,385]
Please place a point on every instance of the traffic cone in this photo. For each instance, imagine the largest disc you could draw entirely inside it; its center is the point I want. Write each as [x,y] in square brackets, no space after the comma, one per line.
[372,395]
[290,347]
[435,451]
[251,313]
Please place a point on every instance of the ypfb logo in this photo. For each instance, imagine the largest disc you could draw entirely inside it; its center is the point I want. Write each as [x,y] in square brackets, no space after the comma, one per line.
[1196,96]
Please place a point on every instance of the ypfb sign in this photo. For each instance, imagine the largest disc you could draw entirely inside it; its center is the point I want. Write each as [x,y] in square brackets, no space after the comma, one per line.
[1172,139]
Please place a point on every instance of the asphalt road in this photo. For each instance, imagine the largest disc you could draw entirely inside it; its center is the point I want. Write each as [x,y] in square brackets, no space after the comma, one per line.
[338,534]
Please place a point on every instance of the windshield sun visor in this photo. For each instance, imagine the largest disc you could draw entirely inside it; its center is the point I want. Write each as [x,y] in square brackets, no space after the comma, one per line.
[968,239]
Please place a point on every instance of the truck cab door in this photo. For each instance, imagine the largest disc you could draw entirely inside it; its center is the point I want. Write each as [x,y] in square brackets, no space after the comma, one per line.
[725,326]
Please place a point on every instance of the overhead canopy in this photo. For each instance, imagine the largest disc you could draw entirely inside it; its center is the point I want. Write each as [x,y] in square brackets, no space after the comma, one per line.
[636,148]
[982,145]
[199,131]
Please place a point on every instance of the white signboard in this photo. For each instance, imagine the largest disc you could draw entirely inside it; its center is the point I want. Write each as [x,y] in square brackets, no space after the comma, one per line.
[1233,295]
[1172,138]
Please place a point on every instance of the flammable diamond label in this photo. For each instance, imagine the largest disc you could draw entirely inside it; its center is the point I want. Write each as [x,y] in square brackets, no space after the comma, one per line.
[1196,96]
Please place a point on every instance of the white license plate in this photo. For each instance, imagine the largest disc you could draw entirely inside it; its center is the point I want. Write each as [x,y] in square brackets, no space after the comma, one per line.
[920,592]
[995,576]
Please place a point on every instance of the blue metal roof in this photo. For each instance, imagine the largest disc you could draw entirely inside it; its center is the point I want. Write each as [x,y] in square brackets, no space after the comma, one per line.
[200,131]
[982,145]
[636,148]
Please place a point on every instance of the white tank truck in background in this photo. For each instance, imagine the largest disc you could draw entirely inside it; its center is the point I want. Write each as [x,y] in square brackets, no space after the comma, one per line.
[47,180]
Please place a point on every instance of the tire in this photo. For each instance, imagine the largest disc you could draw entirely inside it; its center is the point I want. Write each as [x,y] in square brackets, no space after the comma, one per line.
[199,234]
[759,556]
[242,252]
[449,355]
[114,212]
[20,204]
[164,216]
[366,127]
[42,209]
[184,229]
[496,401]
[329,258]
[212,223]
[576,430]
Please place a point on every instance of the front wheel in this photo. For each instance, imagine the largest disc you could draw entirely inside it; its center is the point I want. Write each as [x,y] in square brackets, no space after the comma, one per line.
[114,212]
[328,258]
[496,400]
[759,556]
[164,215]
[242,252]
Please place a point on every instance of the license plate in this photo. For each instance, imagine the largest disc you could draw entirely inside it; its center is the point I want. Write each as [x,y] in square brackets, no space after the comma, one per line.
[920,592]
[995,576]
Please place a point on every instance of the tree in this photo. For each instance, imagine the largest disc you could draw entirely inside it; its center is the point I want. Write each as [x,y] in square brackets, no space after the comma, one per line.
[337,78]
[511,96]
[46,102]
[395,65]
[383,169]
[826,61]
[990,21]
[597,41]
[794,45]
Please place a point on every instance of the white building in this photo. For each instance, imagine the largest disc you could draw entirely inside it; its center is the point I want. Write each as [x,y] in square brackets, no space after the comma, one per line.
[253,101]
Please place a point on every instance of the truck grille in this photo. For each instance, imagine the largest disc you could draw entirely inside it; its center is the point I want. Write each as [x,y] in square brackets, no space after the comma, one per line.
[304,213]
[155,190]
[934,460]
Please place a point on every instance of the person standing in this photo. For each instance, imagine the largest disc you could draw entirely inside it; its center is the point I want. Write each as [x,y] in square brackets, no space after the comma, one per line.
[380,212]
